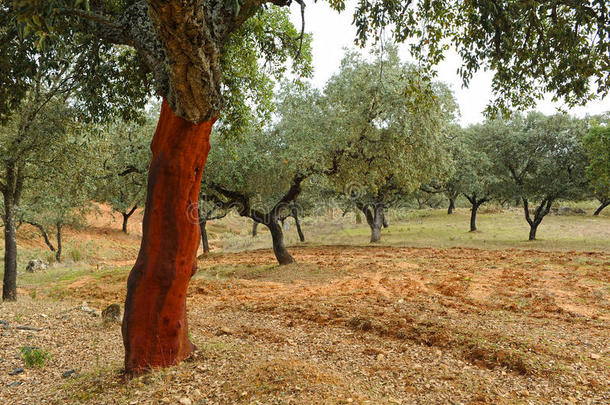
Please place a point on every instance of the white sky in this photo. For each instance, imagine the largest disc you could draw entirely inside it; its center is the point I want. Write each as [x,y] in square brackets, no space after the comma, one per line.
[332,32]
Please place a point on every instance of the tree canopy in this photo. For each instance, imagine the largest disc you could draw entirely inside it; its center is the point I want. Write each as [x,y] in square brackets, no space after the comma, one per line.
[558,46]
[537,158]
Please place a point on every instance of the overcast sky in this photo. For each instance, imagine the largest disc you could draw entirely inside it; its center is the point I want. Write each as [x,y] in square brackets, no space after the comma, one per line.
[332,32]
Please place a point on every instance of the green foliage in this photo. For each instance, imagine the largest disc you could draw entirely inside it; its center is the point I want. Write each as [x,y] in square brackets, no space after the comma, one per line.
[34,357]
[473,174]
[254,58]
[102,79]
[537,46]
[537,157]
[125,154]
[377,129]
[597,146]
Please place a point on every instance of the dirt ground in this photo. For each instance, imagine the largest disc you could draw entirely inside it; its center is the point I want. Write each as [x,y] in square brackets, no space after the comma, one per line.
[346,324]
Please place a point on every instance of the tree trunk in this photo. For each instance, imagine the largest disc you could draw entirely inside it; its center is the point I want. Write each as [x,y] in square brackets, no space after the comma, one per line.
[541,211]
[44,234]
[385,222]
[601,207]
[204,236]
[9,287]
[155,331]
[375,221]
[254,229]
[295,215]
[451,206]
[533,229]
[58,251]
[126,216]
[375,233]
[473,217]
[277,235]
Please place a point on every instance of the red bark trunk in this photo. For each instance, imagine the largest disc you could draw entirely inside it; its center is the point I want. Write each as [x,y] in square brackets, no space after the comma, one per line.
[155,331]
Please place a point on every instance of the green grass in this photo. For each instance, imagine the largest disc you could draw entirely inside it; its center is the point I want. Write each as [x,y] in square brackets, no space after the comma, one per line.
[34,357]
[507,229]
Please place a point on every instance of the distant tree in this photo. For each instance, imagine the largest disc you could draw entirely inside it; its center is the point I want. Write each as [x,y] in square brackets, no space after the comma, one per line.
[597,146]
[537,158]
[126,158]
[447,182]
[474,175]
[256,179]
[388,125]
[45,89]
[62,188]
[211,208]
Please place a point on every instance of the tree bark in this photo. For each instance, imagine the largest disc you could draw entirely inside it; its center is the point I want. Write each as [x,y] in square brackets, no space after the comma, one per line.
[204,236]
[155,331]
[533,229]
[473,217]
[295,215]
[374,217]
[451,206]
[541,211]
[9,286]
[58,251]
[601,207]
[126,216]
[11,193]
[44,234]
[277,236]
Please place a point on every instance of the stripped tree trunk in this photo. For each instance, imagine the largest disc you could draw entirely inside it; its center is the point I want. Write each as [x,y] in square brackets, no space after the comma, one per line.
[155,332]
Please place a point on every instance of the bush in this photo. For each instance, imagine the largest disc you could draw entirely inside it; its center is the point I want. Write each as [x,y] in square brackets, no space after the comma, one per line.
[34,357]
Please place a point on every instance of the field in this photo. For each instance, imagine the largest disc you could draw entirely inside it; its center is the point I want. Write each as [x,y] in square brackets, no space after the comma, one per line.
[433,314]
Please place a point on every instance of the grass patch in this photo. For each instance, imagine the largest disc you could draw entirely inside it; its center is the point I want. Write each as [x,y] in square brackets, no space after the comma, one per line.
[35,357]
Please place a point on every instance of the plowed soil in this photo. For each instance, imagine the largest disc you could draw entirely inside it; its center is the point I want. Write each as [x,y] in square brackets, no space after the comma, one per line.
[346,324]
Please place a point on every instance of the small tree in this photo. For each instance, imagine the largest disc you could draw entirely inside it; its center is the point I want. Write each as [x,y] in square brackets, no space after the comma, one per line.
[126,159]
[388,127]
[473,174]
[537,158]
[45,90]
[257,180]
[597,146]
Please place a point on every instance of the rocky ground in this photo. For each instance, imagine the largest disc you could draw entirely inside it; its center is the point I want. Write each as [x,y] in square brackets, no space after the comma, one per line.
[345,325]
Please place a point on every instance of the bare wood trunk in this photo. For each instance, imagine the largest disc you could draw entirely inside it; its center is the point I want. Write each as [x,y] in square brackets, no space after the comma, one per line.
[155,330]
